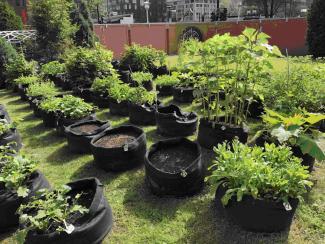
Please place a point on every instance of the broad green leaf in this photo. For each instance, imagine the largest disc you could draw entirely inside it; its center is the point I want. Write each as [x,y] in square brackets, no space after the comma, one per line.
[310,146]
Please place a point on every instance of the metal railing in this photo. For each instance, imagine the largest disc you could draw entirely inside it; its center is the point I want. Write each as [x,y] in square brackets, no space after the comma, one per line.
[18,36]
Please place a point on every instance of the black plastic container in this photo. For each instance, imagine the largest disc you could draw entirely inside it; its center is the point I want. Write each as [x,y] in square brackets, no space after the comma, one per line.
[258,215]
[124,157]
[174,167]
[183,94]
[165,90]
[120,109]
[209,136]
[171,121]
[143,114]
[79,141]
[11,138]
[92,227]
[10,202]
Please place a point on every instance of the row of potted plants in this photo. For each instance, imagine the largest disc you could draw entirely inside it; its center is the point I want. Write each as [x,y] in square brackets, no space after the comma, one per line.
[74,212]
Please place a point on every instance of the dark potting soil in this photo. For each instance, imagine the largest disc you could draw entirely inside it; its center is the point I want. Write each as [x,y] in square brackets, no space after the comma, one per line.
[116,140]
[173,159]
[87,128]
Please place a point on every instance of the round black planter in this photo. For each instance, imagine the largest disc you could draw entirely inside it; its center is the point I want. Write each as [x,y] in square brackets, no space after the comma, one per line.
[49,119]
[84,93]
[120,109]
[307,160]
[63,122]
[34,104]
[121,158]
[4,113]
[92,227]
[171,121]
[13,138]
[10,202]
[183,94]
[322,126]
[256,109]
[143,114]
[174,167]
[258,215]
[22,91]
[156,71]
[125,76]
[100,100]
[165,90]
[209,137]
[79,141]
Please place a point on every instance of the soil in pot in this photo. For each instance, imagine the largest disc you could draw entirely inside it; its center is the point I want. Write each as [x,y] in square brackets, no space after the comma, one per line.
[171,121]
[120,148]
[174,167]
[79,135]
[91,227]
[258,215]
[210,136]
[63,122]
[183,94]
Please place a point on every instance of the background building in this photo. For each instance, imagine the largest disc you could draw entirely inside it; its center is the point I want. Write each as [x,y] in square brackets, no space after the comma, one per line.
[20,7]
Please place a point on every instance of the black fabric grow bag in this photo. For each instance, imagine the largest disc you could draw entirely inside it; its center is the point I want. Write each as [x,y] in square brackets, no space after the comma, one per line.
[307,160]
[143,114]
[63,122]
[209,137]
[10,202]
[91,228]
[84,93]
[13,138]
[22,91]
[49,119]
[4,114]
[156,71]
[177,180]
[100,100]
[78,141]
[165,90]
[121,158]
[183,94]
[125,76]
[256,109]
[120,109]
[258,215]
[171,121]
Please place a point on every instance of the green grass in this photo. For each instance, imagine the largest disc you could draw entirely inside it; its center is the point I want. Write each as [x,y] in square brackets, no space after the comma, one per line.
[139,216]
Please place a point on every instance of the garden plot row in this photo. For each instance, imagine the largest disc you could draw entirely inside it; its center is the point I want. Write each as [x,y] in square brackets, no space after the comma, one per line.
[28,201]
[221,78]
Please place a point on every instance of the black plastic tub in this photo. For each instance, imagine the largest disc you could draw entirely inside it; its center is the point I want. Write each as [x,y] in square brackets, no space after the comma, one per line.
[4,113]
[12,139]
[210,136]
[10,202]
[183,94]
[118,108]
[49,119]
[258,215]
[79,135]
[91,227]
[143,114]
[171,121]
[120,148]
[165,90]
[63,122]
[174,167]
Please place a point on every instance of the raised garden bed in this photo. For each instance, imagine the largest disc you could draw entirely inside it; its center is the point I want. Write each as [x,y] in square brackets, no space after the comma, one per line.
[174,167]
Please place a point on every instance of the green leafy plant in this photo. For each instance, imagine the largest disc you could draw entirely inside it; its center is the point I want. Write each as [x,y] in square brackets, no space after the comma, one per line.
[185,79]
[270,173]
[119,92]
[50,211]
[102,85]
[9,19]
[43,89]
[5,127]
[20,67]
[15,173]
[50,104]
[294,131]
[229,65]
[74,107]
[141,77]
[7,54]
[141,58]
[84,65]
[166,80]
[140,96]
[26,80]
[53,68]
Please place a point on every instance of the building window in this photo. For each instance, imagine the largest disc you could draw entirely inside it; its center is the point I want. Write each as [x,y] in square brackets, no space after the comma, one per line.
[17,2]
[23,3]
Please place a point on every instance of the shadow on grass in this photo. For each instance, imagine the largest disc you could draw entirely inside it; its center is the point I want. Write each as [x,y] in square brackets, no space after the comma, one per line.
[62,155]
[213,225]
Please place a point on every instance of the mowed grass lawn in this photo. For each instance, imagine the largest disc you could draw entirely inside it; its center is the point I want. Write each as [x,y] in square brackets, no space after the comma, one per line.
[139,216]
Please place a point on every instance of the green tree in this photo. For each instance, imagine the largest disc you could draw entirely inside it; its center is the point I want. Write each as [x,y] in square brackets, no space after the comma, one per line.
[51,18]
[80,16]
[8,18]
[316,29]
[7,55]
